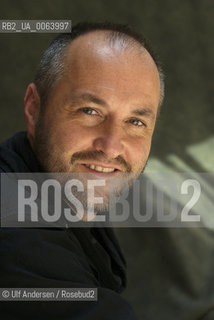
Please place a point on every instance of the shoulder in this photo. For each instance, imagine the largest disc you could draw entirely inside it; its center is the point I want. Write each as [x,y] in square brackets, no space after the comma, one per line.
[43,255]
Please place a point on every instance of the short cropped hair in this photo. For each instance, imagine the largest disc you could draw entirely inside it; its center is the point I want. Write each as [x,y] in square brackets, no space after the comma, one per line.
[51,67]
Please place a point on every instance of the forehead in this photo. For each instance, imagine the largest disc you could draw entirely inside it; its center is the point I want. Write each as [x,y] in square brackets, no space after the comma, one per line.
[93,63]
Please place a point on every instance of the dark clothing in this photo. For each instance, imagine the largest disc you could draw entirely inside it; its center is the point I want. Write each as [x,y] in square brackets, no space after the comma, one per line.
[59,258]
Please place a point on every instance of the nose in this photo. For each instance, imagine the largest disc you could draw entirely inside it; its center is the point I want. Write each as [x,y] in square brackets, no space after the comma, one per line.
[110,141]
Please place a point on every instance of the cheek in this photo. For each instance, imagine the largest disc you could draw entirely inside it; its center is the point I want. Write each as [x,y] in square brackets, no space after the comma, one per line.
[72,138]
[138,150]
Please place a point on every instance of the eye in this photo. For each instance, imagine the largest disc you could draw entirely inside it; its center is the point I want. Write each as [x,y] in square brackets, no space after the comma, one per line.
[137,122]
[89,111]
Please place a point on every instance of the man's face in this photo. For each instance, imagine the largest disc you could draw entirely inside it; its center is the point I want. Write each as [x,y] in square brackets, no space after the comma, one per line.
[101,115]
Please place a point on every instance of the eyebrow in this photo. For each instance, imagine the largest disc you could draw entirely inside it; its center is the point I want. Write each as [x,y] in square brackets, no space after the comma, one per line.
[148,112]
[88,97]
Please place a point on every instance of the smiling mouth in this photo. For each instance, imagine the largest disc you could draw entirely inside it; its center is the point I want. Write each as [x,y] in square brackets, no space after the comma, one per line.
[100,168]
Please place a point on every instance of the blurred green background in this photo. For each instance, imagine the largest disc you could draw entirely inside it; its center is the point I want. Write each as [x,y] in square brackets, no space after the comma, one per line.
[182,32]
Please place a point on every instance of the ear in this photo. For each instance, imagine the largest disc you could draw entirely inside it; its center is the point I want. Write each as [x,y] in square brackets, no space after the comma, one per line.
[31,110]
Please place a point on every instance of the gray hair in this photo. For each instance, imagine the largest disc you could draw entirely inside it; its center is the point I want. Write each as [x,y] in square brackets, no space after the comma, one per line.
[52,65]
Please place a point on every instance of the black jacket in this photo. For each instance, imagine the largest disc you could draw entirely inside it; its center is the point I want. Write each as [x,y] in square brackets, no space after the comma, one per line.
[58,258]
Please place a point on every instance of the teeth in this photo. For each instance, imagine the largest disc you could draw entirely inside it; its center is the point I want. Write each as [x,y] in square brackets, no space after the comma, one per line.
[100,169]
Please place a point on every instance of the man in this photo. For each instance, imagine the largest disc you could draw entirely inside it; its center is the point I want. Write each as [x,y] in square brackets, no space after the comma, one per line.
[91,109]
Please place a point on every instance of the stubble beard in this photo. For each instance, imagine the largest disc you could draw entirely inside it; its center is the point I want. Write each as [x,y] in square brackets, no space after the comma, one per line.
[49,157]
